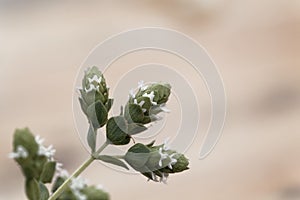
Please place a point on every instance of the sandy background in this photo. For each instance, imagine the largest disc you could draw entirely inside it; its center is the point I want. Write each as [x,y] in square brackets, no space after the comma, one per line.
[255,44]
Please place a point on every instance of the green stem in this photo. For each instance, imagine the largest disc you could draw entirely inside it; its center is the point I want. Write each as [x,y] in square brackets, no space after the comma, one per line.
[78,171]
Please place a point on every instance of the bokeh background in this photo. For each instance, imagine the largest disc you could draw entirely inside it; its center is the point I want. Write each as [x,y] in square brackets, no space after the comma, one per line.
[256,45]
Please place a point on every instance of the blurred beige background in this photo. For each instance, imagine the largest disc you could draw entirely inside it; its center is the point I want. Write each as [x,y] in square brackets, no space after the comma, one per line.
[256,45]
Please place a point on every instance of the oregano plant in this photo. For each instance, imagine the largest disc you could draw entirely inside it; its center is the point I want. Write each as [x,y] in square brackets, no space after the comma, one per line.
[155,162]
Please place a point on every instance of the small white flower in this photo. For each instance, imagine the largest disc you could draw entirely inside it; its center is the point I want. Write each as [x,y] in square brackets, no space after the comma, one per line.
[79,195]
[164,178]
[39,140]
[151,97]
[166,145]
[46,151]
[162,156]
[173,161]
[131,93]
[76,185]
[21,152]
[154,177]
[64,173]
[142,86]
[140,104]
[95,78]
[92,88]
[58,167]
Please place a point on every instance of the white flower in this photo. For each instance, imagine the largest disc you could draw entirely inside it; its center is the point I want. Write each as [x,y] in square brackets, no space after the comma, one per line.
[92,88]
[95,78]
[39,140]
[44,151]
[79,195]
[173,161]
[140,104]
[154,177]
[162,156]
[76,185]
[151,97]
[166,145]
[164,178]
[142,86]
[20,152]
[131,93]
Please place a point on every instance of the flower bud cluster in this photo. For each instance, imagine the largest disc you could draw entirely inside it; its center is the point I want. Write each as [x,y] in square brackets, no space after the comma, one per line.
[144,106]
[156,162]
[94,99]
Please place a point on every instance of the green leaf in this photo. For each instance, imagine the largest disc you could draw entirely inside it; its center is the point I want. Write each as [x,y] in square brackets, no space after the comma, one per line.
[97,114]
[134,113]
[48,172]
[57,183]
[109,104]
[83,105]
[116,131]
[137,156]
[136,128]
[91,138]
[33,189]
[43,191]
[151,144]
[113,160]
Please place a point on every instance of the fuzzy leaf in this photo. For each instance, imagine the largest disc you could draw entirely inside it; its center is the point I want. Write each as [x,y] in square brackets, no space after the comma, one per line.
[134,113]
[91,138]
[137,156]
[113,160]
[97,114]
[48,172]
[116,131]
[109,104]
[33,189]
[135,128]
[43,191]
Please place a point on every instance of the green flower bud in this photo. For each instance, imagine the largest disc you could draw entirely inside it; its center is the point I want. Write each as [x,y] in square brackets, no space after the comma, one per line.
[156,162]
[149,101]
[94,99]
[32,156]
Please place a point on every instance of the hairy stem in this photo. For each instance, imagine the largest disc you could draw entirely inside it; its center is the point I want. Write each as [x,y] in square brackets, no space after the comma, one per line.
[77,172]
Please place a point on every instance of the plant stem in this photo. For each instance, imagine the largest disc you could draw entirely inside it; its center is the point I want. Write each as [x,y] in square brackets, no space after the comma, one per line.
[78,171]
